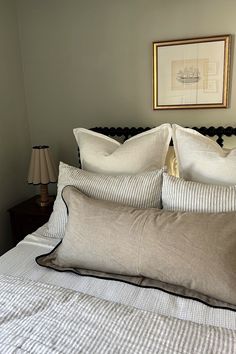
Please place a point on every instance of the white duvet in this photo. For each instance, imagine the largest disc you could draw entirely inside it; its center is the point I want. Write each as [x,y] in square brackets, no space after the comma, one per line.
[20,261]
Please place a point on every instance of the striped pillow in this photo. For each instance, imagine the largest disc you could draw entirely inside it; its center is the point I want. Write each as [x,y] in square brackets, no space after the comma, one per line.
[181,195]
[141,191]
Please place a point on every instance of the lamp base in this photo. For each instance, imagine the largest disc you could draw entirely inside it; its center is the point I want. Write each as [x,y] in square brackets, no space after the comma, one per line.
[44,199]
[45,203]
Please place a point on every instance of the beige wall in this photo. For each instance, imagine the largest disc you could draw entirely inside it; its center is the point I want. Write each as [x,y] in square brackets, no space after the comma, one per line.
[89,63]
[14,132]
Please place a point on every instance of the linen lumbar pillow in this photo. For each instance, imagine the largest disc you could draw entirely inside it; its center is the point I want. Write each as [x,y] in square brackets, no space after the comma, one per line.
[194,250]
[143,152]
[142,190]
[178,194]
[200,159]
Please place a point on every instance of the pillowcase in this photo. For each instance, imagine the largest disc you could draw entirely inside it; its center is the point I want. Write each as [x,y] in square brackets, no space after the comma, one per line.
[143,152]
[194,250]
[178,194]
[201,159]
[141,191]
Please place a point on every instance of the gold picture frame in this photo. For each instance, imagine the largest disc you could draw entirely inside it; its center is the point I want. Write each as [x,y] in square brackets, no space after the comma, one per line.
[191,73]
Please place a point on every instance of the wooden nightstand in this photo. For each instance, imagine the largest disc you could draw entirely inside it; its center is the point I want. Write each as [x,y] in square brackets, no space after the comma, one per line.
[27,216]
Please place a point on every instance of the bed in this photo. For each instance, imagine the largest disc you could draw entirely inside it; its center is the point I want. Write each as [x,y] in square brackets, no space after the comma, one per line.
[44,311]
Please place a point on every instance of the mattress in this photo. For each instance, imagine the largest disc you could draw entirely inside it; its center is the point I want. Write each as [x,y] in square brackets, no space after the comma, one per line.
[20,261]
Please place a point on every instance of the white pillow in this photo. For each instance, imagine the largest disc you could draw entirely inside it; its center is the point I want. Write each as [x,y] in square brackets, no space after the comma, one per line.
[201,159]
[181,195]
[140,191]
[143,152]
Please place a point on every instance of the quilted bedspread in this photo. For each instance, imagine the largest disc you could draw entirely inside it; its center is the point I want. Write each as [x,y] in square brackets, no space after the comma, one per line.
[41,318]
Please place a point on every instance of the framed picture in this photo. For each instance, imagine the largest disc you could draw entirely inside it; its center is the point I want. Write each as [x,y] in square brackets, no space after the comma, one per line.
[191,73]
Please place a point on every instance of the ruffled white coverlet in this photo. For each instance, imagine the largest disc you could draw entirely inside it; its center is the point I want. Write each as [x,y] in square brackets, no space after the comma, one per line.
[41,318]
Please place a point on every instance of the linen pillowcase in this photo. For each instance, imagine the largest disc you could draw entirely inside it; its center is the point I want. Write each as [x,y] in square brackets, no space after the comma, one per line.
[143,152]
[141,190]
[178,194]
[194,250]
[200,159]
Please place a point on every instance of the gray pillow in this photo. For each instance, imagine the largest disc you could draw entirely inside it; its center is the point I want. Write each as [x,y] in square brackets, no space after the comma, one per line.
[192,250]
[142,190]
[178,194]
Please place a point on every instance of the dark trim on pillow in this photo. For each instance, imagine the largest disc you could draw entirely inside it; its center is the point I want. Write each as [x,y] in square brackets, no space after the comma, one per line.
[67,209]
[128,282]
[70,185]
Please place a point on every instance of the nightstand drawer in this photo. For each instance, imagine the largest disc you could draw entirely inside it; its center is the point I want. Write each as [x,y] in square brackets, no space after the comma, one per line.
[27,217]
[28,224]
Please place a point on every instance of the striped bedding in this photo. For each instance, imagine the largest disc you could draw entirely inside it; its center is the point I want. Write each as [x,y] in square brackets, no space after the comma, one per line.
[42,318]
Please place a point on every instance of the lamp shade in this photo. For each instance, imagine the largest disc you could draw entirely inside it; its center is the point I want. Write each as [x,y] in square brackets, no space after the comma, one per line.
[42,168]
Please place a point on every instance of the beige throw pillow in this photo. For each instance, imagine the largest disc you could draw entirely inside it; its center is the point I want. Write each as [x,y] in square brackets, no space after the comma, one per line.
[171,162]
[196,251]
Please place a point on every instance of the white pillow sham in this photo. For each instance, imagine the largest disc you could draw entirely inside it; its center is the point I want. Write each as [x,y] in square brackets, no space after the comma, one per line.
[181,195]
[201,159]
[141,191]
[144,152]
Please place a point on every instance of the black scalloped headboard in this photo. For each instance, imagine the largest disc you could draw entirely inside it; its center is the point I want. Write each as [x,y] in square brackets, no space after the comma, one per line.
[219,132]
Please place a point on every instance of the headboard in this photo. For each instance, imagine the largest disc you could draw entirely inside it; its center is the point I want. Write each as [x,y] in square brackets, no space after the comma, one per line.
[126,132]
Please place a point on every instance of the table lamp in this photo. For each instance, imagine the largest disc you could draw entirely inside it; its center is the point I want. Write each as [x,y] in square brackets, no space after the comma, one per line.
[42,171]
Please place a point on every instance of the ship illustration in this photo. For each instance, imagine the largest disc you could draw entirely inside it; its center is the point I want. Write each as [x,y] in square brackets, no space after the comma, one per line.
[189,75]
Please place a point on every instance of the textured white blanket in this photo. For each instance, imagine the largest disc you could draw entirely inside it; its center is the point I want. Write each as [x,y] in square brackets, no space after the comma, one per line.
[42,318]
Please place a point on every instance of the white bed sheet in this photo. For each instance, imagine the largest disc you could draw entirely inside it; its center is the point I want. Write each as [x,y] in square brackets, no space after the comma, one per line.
[20,261]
